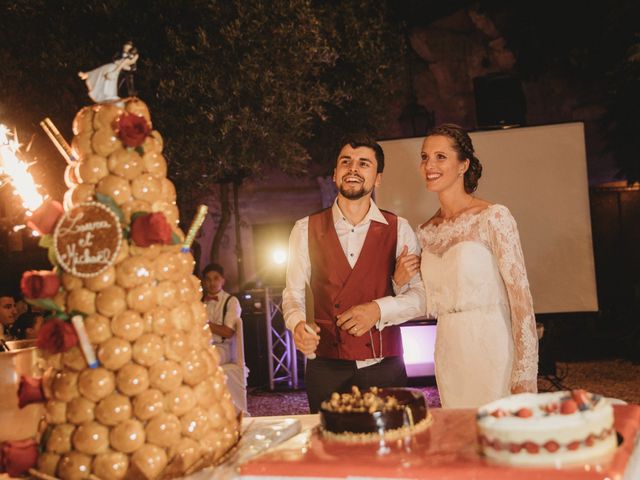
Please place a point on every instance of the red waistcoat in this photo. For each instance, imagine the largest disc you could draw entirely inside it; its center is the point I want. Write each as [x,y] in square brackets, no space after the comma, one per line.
[336,286]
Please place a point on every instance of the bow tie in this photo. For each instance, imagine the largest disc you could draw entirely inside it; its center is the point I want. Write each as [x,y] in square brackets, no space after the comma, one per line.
[212,297]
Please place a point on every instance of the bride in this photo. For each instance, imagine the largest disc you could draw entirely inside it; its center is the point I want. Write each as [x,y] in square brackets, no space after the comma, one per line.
[475,279]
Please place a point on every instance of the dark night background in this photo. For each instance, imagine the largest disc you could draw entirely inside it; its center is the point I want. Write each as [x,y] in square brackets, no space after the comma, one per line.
[240,89]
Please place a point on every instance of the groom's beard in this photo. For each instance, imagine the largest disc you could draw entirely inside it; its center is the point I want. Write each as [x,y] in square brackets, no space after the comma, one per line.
[354,194]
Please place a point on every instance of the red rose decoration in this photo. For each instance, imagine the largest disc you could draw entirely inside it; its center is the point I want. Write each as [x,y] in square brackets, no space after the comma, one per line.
[30,391]
[44,219]
[151,228]
[18,456]
[132,129]
[39,284]
[56,336]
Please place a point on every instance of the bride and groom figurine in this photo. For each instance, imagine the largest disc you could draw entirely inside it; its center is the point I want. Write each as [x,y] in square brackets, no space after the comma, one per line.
[102,82]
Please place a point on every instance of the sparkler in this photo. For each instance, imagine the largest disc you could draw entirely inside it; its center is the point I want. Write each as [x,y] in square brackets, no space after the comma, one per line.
[17,171]
[58,140]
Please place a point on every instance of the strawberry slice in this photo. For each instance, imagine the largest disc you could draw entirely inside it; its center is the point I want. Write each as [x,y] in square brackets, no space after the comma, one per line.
[568,407]
[524,413]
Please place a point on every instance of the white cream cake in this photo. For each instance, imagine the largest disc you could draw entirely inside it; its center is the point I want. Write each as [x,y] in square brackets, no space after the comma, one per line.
[548,429]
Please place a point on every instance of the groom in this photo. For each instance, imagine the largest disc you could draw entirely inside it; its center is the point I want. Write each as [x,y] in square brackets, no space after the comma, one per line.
[346,255]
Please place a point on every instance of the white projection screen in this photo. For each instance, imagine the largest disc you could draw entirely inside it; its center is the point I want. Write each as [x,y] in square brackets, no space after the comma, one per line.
[540,174]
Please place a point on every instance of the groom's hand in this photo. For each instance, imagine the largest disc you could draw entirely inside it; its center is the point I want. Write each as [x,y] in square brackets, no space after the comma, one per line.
[360,319]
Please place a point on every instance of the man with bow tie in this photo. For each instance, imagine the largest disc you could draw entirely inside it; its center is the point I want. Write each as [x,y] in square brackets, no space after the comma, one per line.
[223,312]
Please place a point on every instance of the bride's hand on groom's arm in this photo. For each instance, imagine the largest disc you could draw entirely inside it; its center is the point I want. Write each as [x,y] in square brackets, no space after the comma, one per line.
[407,265]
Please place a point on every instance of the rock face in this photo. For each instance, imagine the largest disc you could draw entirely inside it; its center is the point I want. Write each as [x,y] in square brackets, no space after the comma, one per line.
[157,405]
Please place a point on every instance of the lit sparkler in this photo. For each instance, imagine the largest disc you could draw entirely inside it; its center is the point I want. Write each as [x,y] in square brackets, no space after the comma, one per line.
[17,171]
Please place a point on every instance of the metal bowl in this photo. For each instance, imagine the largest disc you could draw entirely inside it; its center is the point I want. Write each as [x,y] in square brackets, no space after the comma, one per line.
[18,423]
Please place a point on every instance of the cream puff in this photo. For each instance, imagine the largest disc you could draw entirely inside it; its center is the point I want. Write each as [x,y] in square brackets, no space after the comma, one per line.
[134,271]
[83,121]
[180,400]
[106,116]
[177,345]
[132,379]
[113,409]
[59,440]
[71,282]
[111,301]
[163,430]
[148,349]
[181,317]
[48,463]
[153,142]
[146,187]
[159,321]
[74,359]
[128,436]
[91,169]
[55,411]
[104,142]
[91,438]
[115,187]
[114,353]
[194,368]
[128,325]
[155,164]
[150,460]
[74,466]
[96,383]
[165,375]
[64,386]
[167,294]
[195,423]
[110,465]
[81,144]
[167,190]
[125,163]
[80,410]
[103,280]
[137,107]
[148,404]
[142,298]
[135,206]
[97,327]
[81,300]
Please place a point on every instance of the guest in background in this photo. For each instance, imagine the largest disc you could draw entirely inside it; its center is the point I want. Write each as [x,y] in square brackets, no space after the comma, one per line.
[8,314]
[475,279]
[27,325]
[346,255]
[223,311]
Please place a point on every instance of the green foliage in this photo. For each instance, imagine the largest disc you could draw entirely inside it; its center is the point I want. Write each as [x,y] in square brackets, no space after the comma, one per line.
[234,86]
[368,75]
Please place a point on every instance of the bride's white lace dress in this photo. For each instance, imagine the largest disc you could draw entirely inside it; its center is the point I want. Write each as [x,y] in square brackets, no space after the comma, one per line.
[476,283]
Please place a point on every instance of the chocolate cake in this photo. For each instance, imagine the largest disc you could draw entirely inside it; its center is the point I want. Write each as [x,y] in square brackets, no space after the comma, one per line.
[378,411]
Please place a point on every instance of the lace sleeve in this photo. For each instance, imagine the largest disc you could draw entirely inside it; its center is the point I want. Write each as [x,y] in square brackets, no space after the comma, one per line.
[505,244]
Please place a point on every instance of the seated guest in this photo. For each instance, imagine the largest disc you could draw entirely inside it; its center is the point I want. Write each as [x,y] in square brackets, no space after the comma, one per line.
[27,326]
[8,314]
[223,311]
[223,316]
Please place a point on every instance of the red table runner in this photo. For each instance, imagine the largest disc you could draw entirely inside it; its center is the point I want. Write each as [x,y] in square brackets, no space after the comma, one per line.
[448,450]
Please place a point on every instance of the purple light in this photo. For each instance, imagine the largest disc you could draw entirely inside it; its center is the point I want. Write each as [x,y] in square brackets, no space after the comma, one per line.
[418,342]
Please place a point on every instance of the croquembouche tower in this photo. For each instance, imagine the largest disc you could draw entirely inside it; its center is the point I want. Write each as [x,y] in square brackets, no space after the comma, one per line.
[133,388]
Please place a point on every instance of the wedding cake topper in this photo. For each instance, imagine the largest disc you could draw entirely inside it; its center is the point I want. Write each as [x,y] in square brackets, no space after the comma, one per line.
[102,82]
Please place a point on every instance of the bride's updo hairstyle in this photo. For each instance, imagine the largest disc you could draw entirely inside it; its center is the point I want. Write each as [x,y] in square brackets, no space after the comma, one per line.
[464,148]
